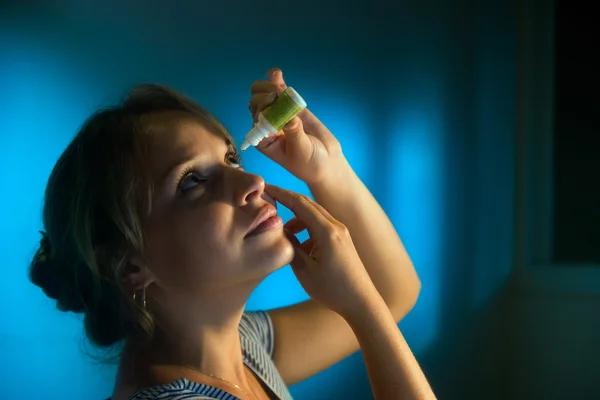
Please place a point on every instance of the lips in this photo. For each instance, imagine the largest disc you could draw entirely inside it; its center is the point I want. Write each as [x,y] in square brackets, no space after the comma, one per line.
[266,219]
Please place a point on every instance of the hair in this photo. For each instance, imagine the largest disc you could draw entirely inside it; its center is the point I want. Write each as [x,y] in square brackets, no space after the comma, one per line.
[95,201]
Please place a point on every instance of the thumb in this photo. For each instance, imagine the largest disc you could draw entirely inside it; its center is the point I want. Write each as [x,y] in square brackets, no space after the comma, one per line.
[295,137]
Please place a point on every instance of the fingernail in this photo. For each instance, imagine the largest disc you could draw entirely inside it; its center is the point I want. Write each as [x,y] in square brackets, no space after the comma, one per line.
[275,70]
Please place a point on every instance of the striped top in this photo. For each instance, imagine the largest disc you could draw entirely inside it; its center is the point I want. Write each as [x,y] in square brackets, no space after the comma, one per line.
[256,339]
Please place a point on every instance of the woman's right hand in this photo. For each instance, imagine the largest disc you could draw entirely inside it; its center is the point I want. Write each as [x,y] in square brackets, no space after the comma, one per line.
[335,276]
[326,264]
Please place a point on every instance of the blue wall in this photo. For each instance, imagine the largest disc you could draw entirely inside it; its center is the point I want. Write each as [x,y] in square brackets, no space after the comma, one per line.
[422,98]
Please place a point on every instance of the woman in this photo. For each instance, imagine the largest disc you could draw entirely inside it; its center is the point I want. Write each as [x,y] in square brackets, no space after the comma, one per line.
[157,235]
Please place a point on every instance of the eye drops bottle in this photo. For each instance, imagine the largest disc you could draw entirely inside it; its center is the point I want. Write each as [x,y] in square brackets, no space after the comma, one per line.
[273,118]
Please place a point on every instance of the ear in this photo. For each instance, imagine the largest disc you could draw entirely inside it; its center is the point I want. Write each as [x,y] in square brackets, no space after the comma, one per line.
[136,275]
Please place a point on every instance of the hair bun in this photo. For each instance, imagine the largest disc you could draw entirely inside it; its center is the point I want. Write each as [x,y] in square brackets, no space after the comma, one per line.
[54,280]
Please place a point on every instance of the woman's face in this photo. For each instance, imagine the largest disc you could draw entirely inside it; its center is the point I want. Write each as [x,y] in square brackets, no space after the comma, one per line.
[204,206]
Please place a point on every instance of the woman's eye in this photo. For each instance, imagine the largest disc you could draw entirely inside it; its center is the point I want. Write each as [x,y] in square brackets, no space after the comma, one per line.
[234,161]
[190,181]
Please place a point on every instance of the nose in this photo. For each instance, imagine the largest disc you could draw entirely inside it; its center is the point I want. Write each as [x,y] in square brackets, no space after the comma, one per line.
[247,187]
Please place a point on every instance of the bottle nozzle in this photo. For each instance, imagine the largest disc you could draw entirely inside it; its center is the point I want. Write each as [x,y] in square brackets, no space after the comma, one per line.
[256,134]
[245,145]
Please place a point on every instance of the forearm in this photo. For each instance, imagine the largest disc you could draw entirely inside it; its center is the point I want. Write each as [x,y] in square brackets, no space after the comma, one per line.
[393,371]
[380,249]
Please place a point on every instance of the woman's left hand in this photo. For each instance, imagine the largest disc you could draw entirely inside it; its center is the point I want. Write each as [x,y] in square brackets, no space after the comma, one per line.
[305,147]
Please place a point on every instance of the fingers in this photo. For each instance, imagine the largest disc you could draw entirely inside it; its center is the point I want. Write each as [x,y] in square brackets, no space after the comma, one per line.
[302,251]
[317,220]
[274,147]
[264,93]
[325,212]
[292,141]
[275,84]
[301,262]
[260,101]
[294,225]
[275,75]
[265,87]
[292,238]
[308,246]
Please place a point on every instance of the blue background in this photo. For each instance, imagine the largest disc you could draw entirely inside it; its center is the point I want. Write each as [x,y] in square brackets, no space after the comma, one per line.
[421,95]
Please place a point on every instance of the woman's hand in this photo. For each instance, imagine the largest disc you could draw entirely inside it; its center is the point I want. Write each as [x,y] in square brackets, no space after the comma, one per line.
[305,147]
[326,264]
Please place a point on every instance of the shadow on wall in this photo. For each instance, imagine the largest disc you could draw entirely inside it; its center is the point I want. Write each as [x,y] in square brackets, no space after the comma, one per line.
[473,360]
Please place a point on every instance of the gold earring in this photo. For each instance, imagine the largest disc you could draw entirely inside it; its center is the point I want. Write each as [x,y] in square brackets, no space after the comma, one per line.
[143,297]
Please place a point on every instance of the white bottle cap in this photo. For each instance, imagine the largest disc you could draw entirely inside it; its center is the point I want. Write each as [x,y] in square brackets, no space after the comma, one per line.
[261,130]
[296,97]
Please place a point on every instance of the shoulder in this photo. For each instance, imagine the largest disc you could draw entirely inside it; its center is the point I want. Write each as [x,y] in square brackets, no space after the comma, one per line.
[258,327]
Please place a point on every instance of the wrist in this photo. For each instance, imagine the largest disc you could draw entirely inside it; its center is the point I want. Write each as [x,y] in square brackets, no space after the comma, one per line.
[364,309]
[338,177]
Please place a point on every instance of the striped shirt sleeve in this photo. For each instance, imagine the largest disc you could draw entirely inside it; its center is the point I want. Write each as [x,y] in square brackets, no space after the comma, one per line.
[258,326]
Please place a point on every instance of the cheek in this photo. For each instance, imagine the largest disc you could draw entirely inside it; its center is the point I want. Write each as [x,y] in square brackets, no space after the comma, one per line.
[192,245]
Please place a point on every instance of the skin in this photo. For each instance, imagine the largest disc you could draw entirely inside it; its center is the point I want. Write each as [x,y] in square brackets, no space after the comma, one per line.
[308,150]
[200,268]
[393,371]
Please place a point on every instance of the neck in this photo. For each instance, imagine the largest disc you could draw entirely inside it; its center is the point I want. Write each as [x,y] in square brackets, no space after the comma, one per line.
[202,336]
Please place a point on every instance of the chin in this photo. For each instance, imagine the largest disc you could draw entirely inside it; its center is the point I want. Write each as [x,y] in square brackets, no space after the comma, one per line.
[286,253]
[277,254]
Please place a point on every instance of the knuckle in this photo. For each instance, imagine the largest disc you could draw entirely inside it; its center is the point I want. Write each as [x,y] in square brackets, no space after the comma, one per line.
[336,147]
[255,85]
[341,231]
[302,198]
[299,200]
[262,105]
[332,232]
[346,235]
